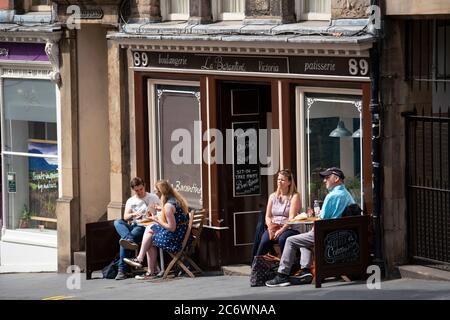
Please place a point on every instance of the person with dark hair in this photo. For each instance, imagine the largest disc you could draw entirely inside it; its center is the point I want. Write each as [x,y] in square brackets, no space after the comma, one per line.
[334,205]
[167,232]
[136,207]
[282,205]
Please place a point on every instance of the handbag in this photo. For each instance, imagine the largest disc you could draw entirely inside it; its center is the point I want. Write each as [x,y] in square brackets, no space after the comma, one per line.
[274,227]
[264,268]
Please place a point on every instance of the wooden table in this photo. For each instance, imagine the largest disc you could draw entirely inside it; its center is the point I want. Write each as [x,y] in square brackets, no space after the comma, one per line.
[304,225]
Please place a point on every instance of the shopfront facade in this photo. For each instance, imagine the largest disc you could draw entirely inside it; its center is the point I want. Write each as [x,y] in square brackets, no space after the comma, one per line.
[220,119]
[30,152]
[218,116]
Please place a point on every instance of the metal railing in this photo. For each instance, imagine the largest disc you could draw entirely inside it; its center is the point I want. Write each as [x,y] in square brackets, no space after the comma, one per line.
[428,188]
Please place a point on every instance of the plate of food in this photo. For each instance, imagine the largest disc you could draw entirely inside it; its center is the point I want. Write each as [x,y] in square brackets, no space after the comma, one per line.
[300,218]
[144,222]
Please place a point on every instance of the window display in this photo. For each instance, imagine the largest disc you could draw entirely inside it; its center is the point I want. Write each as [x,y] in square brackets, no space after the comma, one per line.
[30,153]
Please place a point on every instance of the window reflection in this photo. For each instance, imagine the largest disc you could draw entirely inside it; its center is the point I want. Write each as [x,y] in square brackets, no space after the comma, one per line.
[331,129]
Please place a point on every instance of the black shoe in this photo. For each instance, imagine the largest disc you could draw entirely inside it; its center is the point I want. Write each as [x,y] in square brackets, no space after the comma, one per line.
[121,276]
[305,277]
[128,244]
[280,280]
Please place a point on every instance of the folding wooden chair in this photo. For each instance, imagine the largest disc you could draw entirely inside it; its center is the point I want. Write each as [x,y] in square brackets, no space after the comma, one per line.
[196,231]
[195,226]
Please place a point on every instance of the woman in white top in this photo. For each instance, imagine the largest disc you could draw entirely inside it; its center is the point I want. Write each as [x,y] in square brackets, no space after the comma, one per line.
[282,205]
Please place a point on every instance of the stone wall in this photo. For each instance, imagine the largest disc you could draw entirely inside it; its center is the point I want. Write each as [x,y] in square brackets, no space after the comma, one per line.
[397,97]
[346,9]
[280,10]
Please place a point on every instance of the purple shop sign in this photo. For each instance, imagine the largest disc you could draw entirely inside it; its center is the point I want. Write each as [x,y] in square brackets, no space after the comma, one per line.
[10,51]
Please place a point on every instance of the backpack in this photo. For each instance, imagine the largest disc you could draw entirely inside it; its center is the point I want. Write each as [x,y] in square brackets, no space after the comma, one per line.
[111,270]
[352,210]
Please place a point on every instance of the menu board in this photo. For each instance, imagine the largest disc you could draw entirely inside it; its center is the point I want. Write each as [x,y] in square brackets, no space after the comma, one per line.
[246,167]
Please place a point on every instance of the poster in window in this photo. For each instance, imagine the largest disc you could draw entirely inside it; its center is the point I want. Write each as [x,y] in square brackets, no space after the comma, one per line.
[43,179]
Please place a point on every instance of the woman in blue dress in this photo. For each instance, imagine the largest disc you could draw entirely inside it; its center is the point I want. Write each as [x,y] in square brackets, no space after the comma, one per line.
[167,230]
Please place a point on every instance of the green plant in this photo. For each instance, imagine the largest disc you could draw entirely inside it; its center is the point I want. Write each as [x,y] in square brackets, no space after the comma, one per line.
[353,185]
[26,214]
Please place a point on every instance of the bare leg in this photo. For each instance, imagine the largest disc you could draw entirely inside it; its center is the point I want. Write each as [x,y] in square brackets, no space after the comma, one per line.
[145,245]
[153,258]
[152,255]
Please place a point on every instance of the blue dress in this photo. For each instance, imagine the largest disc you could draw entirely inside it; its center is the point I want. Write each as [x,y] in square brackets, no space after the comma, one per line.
[167,240]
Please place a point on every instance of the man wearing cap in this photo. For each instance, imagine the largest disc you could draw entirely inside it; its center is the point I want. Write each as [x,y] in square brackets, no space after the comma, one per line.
[337,199]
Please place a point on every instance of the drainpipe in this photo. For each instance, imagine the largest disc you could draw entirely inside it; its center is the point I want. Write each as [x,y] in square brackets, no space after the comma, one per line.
[375,110]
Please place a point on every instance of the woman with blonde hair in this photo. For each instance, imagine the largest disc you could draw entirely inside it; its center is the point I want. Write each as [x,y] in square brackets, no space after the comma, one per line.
[282,205]
[167,231]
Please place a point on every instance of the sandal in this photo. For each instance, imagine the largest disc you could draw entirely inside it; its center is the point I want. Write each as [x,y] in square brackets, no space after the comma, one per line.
[133,262]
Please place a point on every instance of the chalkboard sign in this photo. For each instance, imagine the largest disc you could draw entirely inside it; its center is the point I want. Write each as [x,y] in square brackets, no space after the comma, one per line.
[341,246]
[246,167]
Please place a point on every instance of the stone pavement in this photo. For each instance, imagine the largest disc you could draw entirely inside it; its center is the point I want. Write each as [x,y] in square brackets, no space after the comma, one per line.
[52,286]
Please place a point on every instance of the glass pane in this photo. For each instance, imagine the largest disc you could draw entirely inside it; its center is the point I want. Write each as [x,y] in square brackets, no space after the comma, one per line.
[29,109]
[32,189]
[233,6]
[317,6]
[29,100]
[332,124]
[179,6]
[179,157]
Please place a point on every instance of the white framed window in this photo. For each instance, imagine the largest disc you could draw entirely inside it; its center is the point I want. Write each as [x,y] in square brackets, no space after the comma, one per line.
[313,9]
[228,9]
[30,150]
[329,134]
[175,131]
[175,10]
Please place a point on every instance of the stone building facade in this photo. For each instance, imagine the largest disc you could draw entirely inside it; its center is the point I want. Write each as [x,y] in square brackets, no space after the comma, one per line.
[131,65]
[415,132]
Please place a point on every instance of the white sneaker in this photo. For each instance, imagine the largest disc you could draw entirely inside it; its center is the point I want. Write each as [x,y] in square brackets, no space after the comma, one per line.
[146,276]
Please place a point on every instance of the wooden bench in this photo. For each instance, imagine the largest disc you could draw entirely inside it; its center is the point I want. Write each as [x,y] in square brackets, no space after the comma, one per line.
[341,248]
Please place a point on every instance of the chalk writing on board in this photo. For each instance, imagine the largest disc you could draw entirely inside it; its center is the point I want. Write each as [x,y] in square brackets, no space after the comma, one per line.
[246,169]
[341,246]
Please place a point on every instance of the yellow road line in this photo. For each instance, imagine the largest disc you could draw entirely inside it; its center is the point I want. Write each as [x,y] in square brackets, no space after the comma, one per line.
[58,298]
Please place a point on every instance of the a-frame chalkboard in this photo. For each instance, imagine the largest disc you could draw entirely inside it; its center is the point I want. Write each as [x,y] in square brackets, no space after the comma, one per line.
[341,247]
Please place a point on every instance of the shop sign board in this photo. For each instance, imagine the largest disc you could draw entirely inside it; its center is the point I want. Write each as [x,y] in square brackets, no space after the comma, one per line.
[311,65]
[11,51]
